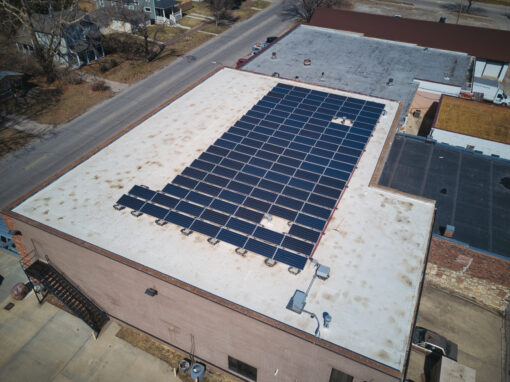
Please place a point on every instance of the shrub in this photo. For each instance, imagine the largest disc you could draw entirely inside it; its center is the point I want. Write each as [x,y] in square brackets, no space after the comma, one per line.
[99,86]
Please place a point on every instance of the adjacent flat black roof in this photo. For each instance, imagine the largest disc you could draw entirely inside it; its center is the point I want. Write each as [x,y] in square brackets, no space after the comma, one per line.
[472,191]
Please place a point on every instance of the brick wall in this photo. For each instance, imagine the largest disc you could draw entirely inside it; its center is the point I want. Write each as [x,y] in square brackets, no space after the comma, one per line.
[474,275]
[457,257]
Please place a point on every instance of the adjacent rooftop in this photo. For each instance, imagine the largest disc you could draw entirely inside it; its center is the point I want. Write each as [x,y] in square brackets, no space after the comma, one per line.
[479,42]
[375,243]
[477,119]
[359,64]
[472,191]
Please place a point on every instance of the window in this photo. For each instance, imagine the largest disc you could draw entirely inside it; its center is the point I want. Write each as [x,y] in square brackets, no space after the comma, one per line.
[147,9]
[242,368]
[339,376]
[3,239]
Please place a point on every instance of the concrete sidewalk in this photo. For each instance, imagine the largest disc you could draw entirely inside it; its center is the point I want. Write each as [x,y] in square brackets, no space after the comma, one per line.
[43,343]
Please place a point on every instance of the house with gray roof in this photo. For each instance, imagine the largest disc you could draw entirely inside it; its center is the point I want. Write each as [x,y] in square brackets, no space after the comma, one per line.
[160,11]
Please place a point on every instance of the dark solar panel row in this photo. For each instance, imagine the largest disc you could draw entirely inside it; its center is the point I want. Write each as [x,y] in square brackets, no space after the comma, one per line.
[289,156]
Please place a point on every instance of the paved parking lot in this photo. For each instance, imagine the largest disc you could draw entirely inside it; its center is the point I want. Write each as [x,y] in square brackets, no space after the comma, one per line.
[478,332]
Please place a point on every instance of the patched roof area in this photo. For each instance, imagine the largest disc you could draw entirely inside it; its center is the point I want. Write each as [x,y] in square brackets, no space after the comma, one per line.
[472,191]
[477,119]
[375,242]
[360,64]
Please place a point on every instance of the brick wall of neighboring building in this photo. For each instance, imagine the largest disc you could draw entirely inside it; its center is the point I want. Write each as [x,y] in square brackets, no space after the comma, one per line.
[472,274]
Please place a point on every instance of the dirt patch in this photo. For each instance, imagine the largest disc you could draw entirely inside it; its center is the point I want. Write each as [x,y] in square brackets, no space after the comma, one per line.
[12,140]
[165,353]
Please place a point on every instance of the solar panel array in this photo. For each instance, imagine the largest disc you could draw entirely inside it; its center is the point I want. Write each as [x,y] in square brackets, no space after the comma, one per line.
[285,157]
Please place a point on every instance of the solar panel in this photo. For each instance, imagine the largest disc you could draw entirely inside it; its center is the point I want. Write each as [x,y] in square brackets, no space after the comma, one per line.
[288,157]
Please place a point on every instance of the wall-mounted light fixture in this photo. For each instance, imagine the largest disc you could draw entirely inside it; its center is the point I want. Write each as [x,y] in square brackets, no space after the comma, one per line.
[151,292]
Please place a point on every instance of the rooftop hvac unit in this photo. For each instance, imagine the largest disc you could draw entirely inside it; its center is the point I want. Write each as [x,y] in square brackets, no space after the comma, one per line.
[297,302]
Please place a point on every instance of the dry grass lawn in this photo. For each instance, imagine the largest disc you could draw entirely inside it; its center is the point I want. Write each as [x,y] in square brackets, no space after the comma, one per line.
[478,119]
[164,33]
[165,353]
[56,103]
[12,140]
[202,8]
[212,28]
[131,71]
[190,22]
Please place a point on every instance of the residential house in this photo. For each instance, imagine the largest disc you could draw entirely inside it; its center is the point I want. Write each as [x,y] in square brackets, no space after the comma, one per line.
[79,39]
[160,11]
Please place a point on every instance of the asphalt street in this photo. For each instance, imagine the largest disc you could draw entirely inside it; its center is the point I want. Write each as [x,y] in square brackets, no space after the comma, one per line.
[27,168]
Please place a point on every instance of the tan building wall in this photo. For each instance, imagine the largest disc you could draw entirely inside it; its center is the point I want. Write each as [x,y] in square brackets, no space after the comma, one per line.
[180,317]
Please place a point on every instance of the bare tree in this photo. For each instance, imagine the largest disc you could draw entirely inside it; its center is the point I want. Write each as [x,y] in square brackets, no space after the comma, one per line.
[220,9]
[139,22]
[470,2]
[306,8]
[44,30]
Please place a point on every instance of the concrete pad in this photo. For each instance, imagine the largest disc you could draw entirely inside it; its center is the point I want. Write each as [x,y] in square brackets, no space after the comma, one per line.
[20,324]
[43,343]
[52,347]
[110,358]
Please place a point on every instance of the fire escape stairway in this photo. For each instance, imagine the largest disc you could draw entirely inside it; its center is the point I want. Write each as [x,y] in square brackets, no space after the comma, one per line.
[68,294]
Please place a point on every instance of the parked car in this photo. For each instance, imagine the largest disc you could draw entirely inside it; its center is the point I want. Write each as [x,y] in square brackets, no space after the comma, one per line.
[271,39]
[431,341]
[241,62]
[258,47]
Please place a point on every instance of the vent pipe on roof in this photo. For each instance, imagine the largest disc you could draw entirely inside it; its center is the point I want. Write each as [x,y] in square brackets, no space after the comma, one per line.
[273,55]
[307,62]
[449,230]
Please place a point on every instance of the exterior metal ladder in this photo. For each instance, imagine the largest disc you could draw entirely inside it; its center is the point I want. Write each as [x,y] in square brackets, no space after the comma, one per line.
[68,294]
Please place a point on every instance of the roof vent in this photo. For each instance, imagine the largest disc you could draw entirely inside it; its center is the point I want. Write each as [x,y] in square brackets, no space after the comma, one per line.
[449,230]
[327,319]
[390,82]
[307,62]
[273,55]
[297,302]
[276,74]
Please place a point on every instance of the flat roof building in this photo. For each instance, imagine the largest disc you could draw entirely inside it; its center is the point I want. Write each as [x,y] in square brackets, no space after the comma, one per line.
[352,62]
[471,190]
[483,43]
[478,126]
[315,150]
